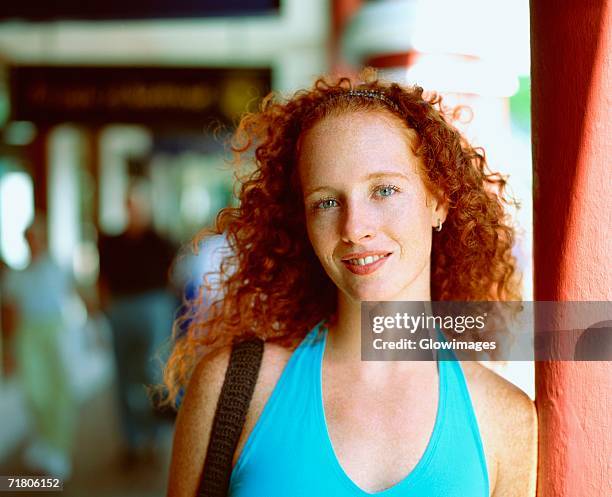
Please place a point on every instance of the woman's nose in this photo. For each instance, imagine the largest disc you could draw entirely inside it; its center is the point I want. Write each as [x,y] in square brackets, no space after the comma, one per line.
[357,224]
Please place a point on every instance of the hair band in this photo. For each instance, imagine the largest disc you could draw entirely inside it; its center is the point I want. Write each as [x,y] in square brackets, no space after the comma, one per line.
[378,95]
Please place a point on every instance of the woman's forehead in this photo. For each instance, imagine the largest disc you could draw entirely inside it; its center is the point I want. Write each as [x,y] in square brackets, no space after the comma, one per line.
[361,140]
[364,117]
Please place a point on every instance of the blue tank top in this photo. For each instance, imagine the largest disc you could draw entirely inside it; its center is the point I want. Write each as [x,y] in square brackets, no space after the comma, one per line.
[289,452]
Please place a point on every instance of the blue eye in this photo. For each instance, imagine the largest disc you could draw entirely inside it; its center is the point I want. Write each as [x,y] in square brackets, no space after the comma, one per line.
[325,204]
[387,190]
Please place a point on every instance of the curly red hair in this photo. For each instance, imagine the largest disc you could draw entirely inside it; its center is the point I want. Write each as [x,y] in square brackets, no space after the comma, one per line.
[273,285]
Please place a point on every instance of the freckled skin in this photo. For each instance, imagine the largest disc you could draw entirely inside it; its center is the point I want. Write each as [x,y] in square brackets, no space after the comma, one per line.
[355,214]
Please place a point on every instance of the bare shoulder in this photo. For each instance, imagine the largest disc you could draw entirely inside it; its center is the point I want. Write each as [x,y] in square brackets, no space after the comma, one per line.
[194,421]
[508,423]
[195,417]
[495,391]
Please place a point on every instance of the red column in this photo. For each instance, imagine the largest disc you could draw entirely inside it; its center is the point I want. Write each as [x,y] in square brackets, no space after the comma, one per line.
[572,126]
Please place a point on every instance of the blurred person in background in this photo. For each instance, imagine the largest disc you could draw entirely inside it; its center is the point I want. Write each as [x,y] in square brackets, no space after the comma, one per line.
[38,298]
[135,295]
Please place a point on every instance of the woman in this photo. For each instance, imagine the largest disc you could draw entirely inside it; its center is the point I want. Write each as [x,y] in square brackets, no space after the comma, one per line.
[360,193]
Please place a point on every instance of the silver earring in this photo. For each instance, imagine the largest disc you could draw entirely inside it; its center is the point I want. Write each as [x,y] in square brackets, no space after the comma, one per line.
[439,227]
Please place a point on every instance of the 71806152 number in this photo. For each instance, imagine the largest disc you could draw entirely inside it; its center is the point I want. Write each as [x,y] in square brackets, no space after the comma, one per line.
[30,483]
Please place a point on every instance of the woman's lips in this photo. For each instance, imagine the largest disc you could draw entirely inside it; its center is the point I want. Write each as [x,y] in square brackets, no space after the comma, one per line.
[366,268]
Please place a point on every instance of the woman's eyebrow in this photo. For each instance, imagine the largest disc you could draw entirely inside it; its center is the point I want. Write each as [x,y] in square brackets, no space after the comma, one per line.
[310,191]
[386,174]
[369,177]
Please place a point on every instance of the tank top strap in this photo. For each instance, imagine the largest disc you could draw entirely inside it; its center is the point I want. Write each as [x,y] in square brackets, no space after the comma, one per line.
[306,352]
[290,400]
[462,434]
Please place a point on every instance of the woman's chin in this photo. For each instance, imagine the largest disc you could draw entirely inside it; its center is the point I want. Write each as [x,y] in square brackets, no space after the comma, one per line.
[371,294]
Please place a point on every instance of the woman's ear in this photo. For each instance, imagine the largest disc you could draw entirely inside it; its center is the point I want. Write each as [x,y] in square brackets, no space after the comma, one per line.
[439,210]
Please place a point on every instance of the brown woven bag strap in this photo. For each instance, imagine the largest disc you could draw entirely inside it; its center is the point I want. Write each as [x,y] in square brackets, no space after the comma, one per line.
[230,414]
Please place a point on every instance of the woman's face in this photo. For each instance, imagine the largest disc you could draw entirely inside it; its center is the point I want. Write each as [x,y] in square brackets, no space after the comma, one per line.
[368,214]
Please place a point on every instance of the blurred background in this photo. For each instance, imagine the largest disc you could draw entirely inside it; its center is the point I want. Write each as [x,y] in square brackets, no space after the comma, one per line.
[113,120]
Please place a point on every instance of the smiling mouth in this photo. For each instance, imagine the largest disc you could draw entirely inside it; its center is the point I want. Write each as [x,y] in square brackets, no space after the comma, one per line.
[364,261]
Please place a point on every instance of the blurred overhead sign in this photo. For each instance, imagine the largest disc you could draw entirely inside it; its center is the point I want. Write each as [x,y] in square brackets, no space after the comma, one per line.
[35,10]
[156,96]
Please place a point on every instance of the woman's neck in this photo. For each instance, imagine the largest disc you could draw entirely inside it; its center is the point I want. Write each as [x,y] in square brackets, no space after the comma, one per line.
[345,334]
